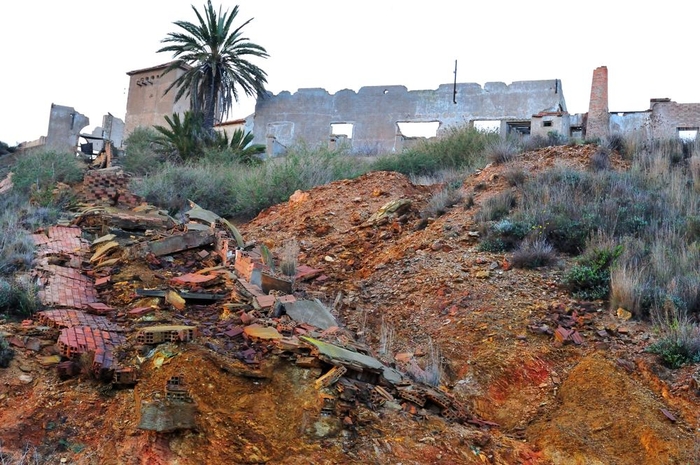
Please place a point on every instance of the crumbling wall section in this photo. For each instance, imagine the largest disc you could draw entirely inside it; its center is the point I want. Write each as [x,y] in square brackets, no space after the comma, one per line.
[668,117]
[109,186]
[633,123]
[65,125]
[373,112]
[598,115]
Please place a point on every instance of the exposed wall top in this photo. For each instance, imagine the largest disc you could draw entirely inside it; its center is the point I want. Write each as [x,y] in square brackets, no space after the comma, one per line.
[375,111]
[155,68]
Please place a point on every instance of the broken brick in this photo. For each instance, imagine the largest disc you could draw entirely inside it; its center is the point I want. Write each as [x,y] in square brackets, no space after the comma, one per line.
[102,282]
[234,332]
[139,311]
[194,278]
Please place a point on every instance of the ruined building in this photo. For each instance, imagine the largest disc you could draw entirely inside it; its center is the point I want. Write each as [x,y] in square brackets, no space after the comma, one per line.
[379,119]
[372,120]
[664,119]
[147,103]
[65,126]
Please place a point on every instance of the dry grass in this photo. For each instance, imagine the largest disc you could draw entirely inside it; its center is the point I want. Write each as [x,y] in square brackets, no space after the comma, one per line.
[533,253]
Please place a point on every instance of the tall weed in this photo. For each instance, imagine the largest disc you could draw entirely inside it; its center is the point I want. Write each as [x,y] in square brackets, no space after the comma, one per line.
[42,170]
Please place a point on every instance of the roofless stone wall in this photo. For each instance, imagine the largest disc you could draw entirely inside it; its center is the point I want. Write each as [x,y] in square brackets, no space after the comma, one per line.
[373,112]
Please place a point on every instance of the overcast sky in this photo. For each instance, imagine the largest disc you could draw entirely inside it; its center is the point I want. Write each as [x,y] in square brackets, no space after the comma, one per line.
[77,52]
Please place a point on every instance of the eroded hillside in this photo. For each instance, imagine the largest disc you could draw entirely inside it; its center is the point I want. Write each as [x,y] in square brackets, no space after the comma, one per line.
[527,374]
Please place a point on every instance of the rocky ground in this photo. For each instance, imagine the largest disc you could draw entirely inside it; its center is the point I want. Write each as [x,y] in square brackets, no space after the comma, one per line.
[545,379]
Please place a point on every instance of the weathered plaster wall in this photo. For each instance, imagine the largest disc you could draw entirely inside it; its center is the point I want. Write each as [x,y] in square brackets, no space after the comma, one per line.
[282,119]
[113,129]
[65,125]
[147,103]
[668,117]
[629,123]
[545,123]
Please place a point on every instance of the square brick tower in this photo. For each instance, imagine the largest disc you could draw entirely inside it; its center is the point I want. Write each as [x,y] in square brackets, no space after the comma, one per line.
[598,124]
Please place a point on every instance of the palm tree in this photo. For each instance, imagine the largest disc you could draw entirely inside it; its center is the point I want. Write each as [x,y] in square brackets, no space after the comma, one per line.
[216,58]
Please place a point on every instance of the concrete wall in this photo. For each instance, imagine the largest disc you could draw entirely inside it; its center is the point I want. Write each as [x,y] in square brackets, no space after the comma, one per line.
[631,123]
[65,125]
[147,103]
[113,129]
[544,123]
[307,115]
[662,121]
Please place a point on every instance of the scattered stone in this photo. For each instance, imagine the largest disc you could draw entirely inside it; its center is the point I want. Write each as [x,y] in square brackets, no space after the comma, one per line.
[623,314]
[174,299]
[49,360]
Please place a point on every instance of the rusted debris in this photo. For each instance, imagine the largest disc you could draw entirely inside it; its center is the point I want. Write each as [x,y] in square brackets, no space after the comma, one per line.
[331,377]
[68,318]
[177,243]
[103,249]
[275,283]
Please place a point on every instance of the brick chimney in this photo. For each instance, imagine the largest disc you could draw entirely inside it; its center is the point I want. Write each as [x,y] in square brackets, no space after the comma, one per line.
[598,124]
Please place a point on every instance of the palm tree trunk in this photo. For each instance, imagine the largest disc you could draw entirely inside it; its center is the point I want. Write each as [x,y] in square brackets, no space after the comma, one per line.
[210,109]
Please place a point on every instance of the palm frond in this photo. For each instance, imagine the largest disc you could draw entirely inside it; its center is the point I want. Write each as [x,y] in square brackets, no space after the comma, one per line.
[218,57]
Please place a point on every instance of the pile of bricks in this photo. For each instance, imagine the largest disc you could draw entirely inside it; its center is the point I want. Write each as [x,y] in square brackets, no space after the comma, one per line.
[246,263]
[109,186]
[160,334]
[78,340]
[67,287]
[69,318]
[60,240]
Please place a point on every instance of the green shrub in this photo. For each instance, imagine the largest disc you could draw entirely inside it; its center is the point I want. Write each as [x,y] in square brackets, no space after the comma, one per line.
[679,342]
[617,143]
[497,207]
[589,278]
[503,235]
[208,185]
[5,148]
[515,177]
[18,296]
[459,147]
[42,170]
[141,156]
[601,159]
[240,148]
[183,138]
[235,190]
